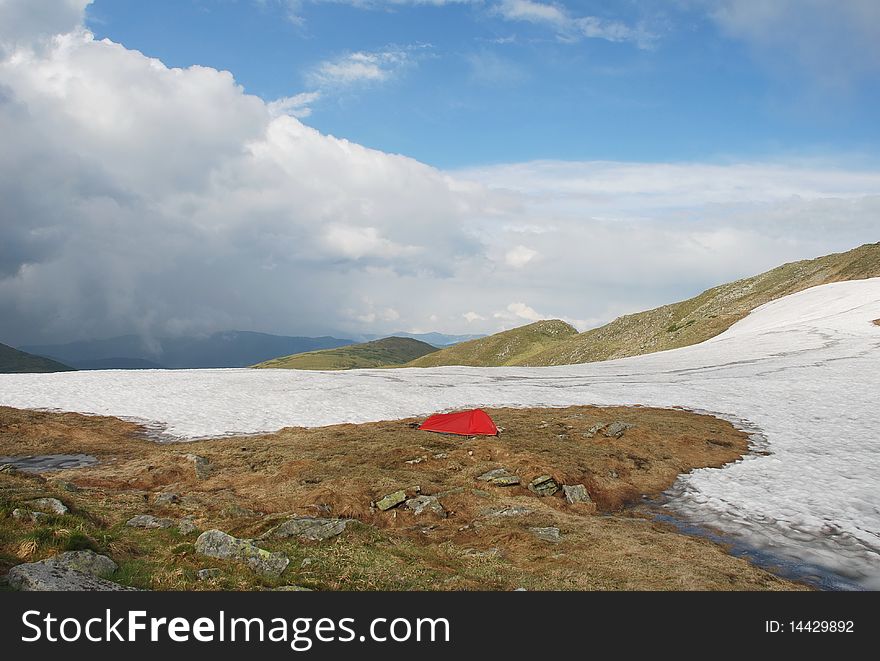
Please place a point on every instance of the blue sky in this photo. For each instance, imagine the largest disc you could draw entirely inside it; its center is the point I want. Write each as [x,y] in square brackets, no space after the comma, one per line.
[462,83]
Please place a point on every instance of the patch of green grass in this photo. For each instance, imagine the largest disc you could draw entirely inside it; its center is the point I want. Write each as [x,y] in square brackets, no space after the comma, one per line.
[378,353]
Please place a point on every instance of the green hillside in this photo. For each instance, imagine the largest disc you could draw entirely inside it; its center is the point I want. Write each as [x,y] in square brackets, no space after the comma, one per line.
[13,361]
[668,327]
[512,347]
[378,353]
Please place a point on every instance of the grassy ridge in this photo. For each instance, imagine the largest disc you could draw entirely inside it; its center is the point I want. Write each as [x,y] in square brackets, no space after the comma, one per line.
[13,361]
[512,347]
[378,353]
[667,327]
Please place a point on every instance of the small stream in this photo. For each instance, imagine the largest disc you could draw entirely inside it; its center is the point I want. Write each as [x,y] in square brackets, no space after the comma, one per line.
[49,462]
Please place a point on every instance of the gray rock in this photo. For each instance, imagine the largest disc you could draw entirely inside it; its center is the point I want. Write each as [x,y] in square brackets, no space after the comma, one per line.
[576,493]
[202,465]
[549,534]
[49,505]
[208,574]
[595,429]
[417,460]
[307,527]
[500,477]
[87,562]
[167,498]
[543,485]
[39,577]
[506,511]
[617,429]
[391,500]
[27,515]
[217,544]
[149,521]
[421,504]
[186,527]
[73,570]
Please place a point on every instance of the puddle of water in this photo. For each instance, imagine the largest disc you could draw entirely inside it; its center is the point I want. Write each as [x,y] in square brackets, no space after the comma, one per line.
[49,462]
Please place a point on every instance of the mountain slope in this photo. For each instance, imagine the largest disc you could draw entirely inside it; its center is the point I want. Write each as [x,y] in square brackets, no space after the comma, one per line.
[511,347]
[13,361]
[435,339]
[709,314]
[223,349]
[378,353]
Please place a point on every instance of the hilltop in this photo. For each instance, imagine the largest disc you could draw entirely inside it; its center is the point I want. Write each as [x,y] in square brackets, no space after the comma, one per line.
[667,327]
[13,361]
[512,347]
[378,353]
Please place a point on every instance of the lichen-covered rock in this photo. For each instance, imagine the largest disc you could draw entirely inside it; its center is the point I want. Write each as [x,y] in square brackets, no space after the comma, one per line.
[391,500]
[217,544]
[86,561]
[421,504]
[506,511]
[20,514]
[73,570]
[311,528]
[202,466]
[548,534]
[617,429]
[185,526]
[595,429]
[149,521]
[543,485]
[208,574]
[166,498]
[576,493]
[500,477]
[48,505]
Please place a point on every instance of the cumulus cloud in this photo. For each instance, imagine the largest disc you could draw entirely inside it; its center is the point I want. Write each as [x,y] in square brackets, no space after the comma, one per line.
[148,199]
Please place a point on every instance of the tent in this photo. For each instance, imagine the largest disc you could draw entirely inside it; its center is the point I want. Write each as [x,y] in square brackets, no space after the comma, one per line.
[474,422]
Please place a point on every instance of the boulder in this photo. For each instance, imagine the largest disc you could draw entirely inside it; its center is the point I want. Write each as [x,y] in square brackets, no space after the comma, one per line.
[421,504]
[217,544]
[500,477]
[576,493]
[549,534]
[202,465]
[185,526]
[73,570]
[308,527]
[48,505]
[616,429]
[149,521]
[543,485]
[391,500]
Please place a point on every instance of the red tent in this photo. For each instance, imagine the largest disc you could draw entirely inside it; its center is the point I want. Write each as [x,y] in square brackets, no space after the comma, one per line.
[475,422]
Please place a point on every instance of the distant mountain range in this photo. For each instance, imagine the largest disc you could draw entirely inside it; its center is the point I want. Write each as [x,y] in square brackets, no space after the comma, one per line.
[436,339]
[388,351]
[223,349]
[13,361]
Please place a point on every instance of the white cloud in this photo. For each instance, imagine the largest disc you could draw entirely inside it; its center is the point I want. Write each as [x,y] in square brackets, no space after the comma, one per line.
[295,106]
[519,256]
[141,198]
[360,67]
[571,27]
[835,42]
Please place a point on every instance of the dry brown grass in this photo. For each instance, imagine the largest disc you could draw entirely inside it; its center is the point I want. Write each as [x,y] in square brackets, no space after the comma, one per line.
[338,470]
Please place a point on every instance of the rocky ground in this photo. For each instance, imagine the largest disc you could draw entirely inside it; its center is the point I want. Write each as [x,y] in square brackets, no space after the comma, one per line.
[379,506]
